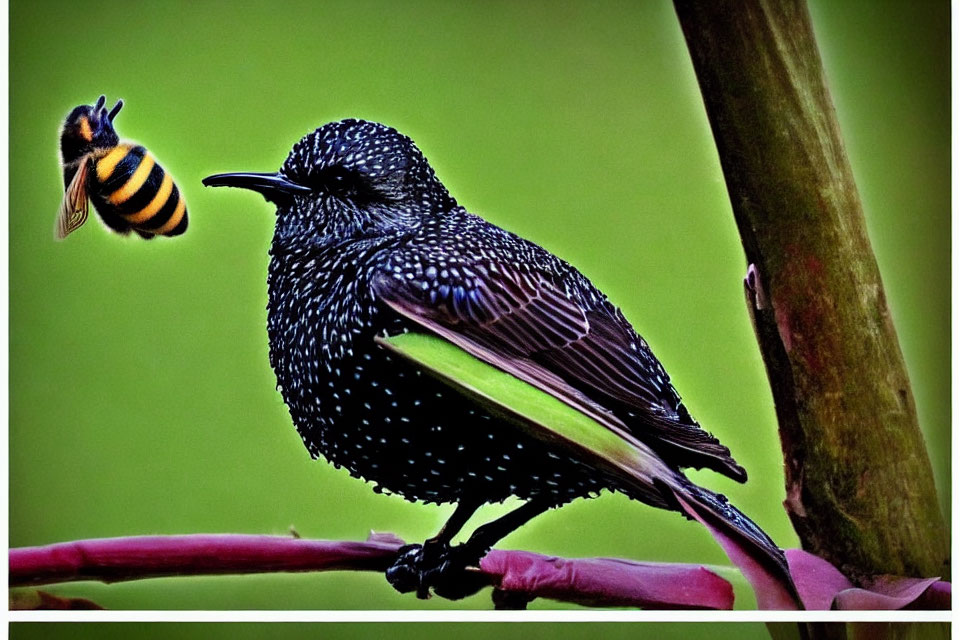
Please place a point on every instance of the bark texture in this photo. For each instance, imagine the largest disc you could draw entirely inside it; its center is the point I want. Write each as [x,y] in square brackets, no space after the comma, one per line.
[860,488]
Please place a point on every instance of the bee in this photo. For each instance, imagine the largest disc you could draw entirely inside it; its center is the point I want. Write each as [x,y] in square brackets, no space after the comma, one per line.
[128,188]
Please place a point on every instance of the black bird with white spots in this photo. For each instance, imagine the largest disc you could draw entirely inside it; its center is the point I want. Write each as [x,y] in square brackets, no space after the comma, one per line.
[368,242]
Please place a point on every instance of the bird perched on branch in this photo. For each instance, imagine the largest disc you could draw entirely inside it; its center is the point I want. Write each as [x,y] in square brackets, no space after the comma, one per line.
[369,243]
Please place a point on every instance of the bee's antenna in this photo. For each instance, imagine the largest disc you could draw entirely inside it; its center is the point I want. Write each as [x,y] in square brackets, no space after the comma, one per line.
[100,102]
[116,108]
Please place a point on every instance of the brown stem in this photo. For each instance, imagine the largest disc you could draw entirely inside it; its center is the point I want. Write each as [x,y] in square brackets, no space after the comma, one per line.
[860,488]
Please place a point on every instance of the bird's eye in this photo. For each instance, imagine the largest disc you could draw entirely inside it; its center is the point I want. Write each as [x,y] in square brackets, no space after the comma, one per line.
[336,179]
[346,184]
[342,183]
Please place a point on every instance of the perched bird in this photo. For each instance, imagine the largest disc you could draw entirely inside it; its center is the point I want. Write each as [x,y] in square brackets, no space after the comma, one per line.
[368,242]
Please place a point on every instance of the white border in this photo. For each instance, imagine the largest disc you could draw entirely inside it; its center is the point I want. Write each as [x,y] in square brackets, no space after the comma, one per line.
[481,616]
[451,616]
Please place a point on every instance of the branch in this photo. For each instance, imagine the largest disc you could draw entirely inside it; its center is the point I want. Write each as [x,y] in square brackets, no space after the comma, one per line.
[518,576]
[860,489]
[137,557]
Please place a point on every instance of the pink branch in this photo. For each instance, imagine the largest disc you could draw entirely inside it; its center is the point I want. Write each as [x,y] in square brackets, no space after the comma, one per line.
[607,582]
[518,575]
[133,558]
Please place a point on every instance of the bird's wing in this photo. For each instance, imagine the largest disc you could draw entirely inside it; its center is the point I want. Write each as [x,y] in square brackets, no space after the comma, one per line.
[635,468]
[523,322]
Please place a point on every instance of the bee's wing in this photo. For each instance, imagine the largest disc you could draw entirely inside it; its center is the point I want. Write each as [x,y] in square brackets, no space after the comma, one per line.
[75,205]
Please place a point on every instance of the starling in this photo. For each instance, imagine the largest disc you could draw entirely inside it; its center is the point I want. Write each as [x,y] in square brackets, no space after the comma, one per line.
[368,242]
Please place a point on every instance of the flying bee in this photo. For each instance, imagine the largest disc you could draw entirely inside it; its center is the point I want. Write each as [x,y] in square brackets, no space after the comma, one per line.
[129,189]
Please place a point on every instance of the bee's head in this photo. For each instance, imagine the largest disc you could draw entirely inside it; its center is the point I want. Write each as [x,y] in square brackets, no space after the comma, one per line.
[88,127]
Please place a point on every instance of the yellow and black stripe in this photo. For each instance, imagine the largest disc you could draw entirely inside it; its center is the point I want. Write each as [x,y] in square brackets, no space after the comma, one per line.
[131,191]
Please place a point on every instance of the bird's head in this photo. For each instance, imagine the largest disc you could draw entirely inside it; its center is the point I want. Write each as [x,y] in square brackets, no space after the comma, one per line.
[345,178]
[88,127]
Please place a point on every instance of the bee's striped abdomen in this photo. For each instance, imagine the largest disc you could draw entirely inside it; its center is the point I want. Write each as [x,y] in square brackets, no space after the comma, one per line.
[130,190]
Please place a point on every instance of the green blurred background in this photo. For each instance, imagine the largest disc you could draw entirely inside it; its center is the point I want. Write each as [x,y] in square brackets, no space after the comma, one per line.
[141,398]
[462,631]
[401,631]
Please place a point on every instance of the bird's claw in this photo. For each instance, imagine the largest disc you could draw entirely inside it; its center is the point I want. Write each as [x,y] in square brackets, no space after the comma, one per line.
[404,574]
[450,571]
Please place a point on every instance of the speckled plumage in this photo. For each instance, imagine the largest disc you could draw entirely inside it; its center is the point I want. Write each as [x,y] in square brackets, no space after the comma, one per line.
[369,243]
[381,216]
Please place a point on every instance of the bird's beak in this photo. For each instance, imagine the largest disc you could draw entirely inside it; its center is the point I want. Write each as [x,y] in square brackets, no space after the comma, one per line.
[272,186]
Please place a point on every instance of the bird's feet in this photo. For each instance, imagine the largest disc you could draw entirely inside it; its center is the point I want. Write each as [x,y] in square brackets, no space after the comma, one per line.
[452,572]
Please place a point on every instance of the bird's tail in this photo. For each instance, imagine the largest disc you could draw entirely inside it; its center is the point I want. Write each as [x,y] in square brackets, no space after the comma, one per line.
[742,539]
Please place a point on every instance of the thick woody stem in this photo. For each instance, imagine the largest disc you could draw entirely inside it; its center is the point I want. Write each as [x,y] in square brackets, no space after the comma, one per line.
[860,489]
